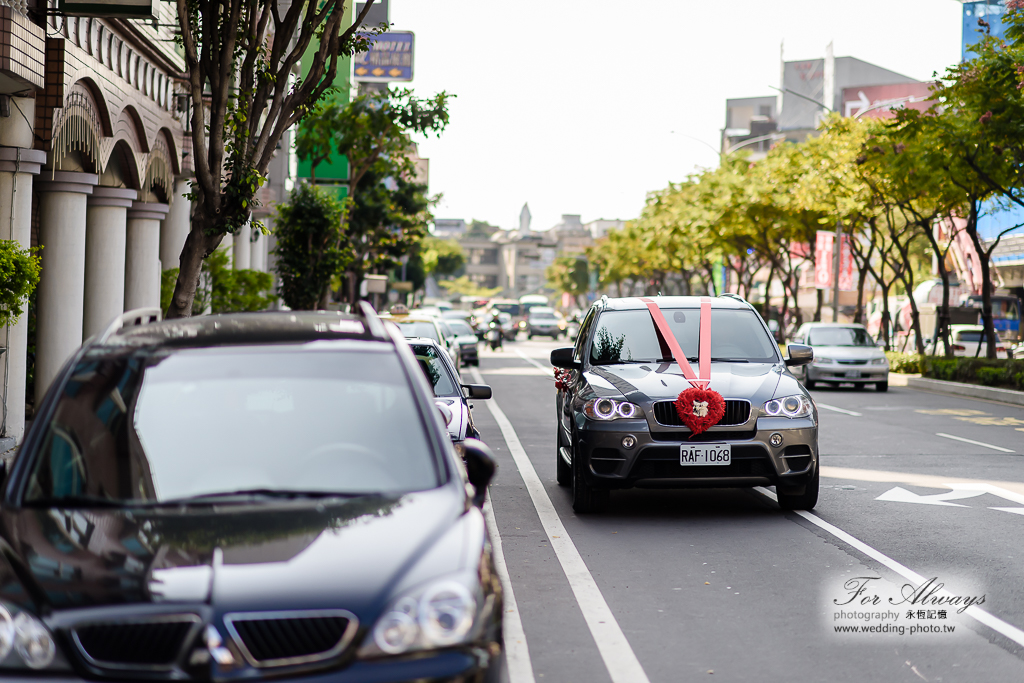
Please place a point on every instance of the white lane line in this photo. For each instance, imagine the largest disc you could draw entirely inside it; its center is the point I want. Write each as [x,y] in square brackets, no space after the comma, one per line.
[978,614]
[546,368]
[838,410]
[618,656]
[976,443]
[517,653]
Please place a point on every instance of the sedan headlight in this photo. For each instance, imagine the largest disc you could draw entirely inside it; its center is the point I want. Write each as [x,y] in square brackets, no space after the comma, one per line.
[880,361]
[25,643]
[821,360]
[610,409]
[788,406]
[440,614]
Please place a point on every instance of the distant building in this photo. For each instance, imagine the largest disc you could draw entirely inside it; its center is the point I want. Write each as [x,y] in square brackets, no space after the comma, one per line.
[449,227]
[601,226]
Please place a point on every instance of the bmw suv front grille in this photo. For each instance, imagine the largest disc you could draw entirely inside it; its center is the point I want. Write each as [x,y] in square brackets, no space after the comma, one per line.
[269,639]
[149,644]
[737,412]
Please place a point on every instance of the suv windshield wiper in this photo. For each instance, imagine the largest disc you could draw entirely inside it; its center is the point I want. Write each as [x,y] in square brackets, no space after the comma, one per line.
[82,501]
[249,494]
[729,360]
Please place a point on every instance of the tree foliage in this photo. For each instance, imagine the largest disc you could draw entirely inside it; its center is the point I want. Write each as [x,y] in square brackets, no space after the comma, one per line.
[441,257]
[311,248]
[19,275]
[222,289]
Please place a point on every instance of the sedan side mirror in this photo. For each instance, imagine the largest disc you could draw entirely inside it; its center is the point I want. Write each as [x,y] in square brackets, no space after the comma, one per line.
[799,354]
[480,391]
[480,468]
[563,358]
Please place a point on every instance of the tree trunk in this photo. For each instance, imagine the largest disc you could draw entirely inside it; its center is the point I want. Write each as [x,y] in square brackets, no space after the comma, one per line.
[198,245]
[817,307]
[943,321]
[986,284]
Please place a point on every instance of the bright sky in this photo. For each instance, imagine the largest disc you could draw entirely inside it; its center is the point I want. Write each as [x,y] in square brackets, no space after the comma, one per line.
[569,104]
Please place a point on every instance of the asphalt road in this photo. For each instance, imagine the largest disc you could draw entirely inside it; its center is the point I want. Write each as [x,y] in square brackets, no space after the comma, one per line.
[722,585]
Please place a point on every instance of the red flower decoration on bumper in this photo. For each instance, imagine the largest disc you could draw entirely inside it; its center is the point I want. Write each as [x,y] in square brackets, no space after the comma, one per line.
[700,409]
[562,377]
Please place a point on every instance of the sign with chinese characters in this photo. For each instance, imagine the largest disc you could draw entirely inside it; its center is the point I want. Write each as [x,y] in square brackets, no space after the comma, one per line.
[107,8]
[390,58]
[824,260]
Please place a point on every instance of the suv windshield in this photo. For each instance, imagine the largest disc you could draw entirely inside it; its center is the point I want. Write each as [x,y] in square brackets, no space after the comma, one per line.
[146,428]
[630,336]
[434,370]
[839,336]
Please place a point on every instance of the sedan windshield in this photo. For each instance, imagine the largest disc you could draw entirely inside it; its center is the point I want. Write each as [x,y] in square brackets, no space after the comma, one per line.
[839,336]
[423,329]
[460,328]
[142,429]
[630,336]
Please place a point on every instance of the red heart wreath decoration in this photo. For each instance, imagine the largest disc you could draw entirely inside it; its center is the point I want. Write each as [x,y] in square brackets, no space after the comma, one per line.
[700,409]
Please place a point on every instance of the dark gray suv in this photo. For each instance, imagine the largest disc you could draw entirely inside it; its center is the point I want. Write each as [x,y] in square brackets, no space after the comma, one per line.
[618,425]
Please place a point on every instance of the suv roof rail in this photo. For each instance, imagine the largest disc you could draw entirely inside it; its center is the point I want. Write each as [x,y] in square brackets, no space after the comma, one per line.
[373,323]
[132,318]
[732,295]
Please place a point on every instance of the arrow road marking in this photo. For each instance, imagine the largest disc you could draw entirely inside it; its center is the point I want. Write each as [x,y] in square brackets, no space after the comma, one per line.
[976,443]
[1018,511]
[838,410]
[901,495]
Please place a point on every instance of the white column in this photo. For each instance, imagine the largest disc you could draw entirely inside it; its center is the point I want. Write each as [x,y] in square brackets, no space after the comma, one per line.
[105,238]
[17,166]
[174,229]
[142,256]
[243,249]
[60,298]
[258,253]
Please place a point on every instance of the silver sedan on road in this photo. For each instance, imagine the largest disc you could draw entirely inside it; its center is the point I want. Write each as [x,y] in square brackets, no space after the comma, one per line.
[843,353]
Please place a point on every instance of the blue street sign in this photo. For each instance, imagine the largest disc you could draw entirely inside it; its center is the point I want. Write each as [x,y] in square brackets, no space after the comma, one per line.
[390,58]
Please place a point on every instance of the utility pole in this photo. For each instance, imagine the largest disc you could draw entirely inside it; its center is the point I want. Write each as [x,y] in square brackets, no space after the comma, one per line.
[837,252]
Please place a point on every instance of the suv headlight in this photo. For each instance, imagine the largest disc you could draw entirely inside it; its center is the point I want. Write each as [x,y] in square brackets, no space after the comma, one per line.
[610,409]
[440,614]
[26,643]
[789,406]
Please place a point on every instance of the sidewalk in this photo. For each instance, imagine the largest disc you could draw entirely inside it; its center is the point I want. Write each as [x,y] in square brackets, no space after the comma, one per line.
[938,386]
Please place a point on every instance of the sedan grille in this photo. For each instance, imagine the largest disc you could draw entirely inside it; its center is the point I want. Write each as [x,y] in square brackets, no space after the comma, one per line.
[152,644]
[285,638]
[737,412]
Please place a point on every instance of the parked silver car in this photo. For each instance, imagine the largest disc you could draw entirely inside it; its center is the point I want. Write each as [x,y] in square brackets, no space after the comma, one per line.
[843,353]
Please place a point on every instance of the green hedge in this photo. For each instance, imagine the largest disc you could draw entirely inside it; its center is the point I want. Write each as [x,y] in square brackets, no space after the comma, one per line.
[1008,374]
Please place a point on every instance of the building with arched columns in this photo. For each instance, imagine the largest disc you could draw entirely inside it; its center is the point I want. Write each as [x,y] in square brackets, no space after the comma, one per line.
[93,165]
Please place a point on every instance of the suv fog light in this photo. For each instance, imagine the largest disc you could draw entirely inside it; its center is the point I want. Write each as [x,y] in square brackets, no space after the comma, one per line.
[628,441]
[775,439]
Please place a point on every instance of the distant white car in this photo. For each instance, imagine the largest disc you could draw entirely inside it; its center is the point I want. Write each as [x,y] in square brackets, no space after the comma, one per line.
[969,341]
[843,353]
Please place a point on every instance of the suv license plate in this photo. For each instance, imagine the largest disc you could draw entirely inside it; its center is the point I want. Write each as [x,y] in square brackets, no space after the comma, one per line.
[705,454]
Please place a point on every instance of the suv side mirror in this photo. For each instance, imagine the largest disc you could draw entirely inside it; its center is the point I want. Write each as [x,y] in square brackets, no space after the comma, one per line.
[480,391]
[562,358]
[480,467]
[799,354]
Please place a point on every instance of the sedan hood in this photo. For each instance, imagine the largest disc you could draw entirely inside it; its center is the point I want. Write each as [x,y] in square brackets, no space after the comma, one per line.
[280,555]
[755,382]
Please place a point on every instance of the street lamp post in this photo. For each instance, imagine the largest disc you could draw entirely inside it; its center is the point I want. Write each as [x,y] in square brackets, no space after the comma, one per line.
[837,252]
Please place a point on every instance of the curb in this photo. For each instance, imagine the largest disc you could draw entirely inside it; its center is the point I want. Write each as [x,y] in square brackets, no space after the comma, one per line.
[971,390]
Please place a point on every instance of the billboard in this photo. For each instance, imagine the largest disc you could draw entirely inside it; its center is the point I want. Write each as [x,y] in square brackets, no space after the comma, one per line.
[390,58]
[140,9]
[823,261]
[804,85]
[878,101]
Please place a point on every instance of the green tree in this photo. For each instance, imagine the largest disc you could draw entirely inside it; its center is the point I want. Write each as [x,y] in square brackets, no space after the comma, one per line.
[241,61]
[19,275]
[571,275]
[223,289]
[466,287]
[311,249]
[441,257]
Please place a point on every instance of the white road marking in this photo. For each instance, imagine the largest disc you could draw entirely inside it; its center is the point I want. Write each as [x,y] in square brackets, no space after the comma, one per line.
[1017,511]
[925,480]
[618,656]
[901,495]
[838,410]
[517,653]
[976,443]
[546,368]
[993,622]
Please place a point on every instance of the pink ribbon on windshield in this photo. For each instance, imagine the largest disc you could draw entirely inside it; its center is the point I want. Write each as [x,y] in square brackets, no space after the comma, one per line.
[703,348]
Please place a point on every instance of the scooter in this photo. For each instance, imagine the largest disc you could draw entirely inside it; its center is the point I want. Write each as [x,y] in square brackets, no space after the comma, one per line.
[494,336]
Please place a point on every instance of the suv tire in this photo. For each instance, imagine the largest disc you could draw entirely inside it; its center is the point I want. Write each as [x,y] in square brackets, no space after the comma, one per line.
[585,498]
[563,471]
[800,501]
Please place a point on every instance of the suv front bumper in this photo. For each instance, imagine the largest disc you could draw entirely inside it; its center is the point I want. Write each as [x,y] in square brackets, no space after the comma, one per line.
[654,461]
